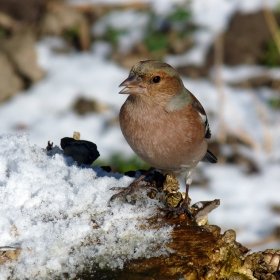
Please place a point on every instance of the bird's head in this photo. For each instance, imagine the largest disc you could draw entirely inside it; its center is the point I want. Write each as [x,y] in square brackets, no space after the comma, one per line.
[152,78]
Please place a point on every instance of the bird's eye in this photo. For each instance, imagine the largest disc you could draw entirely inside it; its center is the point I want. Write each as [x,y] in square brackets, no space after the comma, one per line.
[156,79]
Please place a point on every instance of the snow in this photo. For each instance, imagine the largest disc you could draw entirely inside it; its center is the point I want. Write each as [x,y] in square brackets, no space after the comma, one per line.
[245,200]
[46,108]
[60,215]
[57,207]
[130,21]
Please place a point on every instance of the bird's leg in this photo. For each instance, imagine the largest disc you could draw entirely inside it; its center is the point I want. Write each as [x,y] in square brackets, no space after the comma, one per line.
[185,205]
[132,187]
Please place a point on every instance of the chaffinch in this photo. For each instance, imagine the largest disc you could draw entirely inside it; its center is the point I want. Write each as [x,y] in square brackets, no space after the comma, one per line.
[163,122]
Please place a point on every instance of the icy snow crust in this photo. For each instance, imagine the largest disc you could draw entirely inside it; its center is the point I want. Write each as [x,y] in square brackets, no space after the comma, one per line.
[57,213]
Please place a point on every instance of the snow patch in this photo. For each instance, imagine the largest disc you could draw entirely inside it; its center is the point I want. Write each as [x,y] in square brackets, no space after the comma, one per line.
[57,213]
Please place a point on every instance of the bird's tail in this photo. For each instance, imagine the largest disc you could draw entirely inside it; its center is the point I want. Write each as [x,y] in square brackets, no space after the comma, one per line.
[209,157]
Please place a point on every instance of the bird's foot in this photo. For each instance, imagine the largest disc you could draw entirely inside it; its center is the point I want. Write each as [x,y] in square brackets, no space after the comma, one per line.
[133,187]
[123,192]
[183,209]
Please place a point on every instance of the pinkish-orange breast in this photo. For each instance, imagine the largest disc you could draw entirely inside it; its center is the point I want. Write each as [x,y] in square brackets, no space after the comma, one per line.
[165,140]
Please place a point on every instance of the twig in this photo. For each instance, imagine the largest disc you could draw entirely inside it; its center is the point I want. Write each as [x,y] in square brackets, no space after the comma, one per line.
[244,137]
[218,62]
[272,25]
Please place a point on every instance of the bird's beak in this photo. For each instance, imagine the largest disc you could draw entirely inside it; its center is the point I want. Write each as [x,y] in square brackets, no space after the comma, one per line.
[132,85]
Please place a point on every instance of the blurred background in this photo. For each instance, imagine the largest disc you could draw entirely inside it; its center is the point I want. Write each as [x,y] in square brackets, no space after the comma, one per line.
[61,63]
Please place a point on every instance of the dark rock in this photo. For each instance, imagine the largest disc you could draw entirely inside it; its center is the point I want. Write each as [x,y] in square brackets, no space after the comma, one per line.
[27,11]
[244,42]
[83,106]
[245,39]
[82,151]
[20,48]
[130,173]
[108,169]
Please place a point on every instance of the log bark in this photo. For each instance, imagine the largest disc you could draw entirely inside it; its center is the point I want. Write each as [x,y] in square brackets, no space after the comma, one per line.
[198,252]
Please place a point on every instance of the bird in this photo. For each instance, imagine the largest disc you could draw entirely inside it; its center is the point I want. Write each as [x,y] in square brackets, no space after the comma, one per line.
[163,123]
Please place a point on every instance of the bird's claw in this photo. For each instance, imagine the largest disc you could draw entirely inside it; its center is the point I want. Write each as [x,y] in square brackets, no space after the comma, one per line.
[123,193]
[117,189]
[134,186]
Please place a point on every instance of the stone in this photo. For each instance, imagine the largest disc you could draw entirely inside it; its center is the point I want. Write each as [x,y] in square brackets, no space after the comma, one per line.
[10,82]
[82,151]
[20,48]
